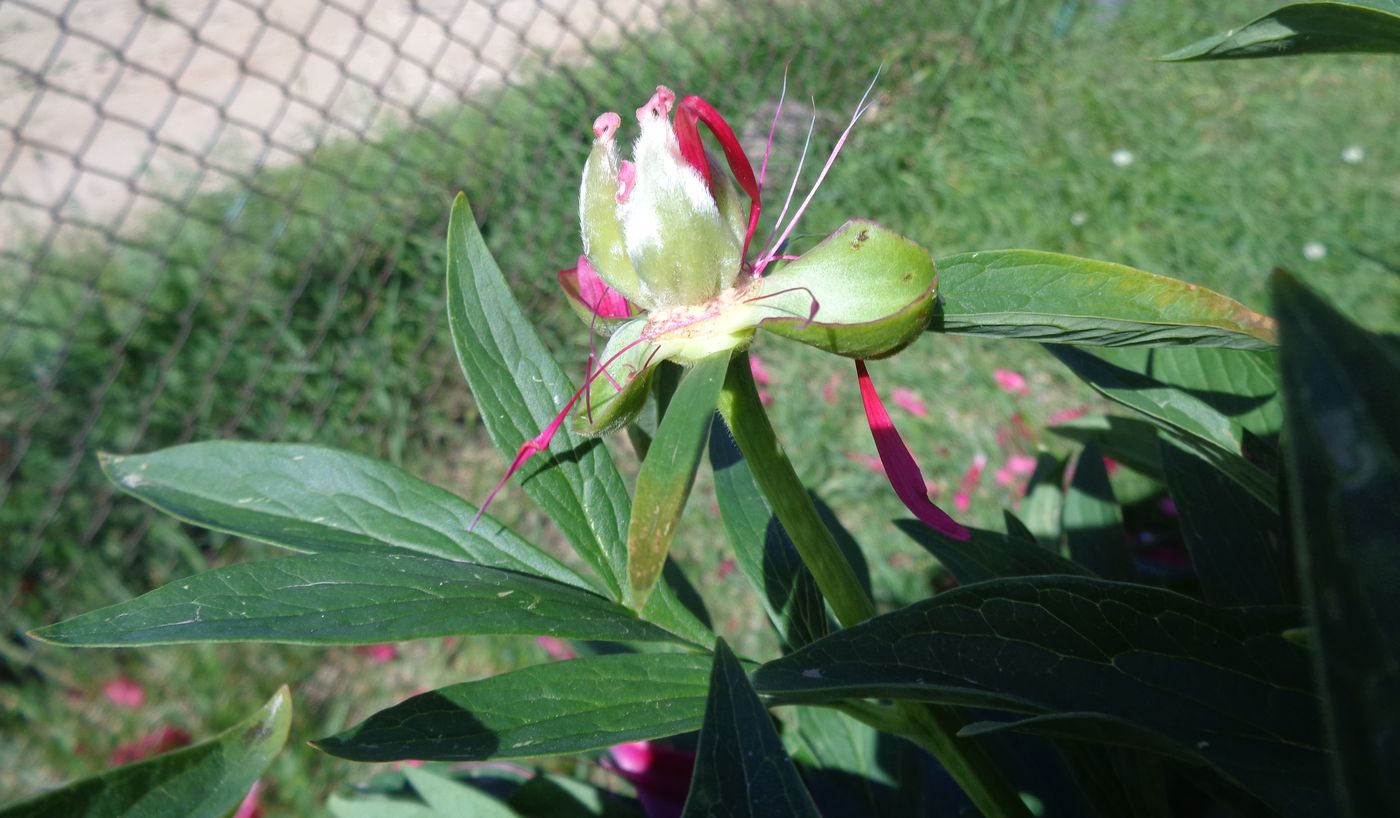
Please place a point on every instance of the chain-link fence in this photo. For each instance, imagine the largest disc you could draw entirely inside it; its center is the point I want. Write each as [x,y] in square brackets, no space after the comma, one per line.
[222,218]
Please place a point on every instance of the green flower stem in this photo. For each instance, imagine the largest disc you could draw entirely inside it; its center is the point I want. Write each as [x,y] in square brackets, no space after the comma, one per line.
[743,412]
[932,727]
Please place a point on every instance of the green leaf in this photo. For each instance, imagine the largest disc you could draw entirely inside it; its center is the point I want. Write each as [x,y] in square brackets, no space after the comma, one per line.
[1305,28]
[850,768]
[1044,501]
[1062,299]
[1236,542]
[378,808]
[1344,469]
[346,599]
[551,709]
[1221,404]
[989,554]
[519,389]
[873,291]
[556,796]
[317,500]
[764,552]
[668,472]
[1128,440]
[453,799]
[1220,680]
[1093,522]
[741,767]
[208,780]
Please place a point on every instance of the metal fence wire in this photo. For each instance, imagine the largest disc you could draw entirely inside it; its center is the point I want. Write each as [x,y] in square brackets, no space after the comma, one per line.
[223,218]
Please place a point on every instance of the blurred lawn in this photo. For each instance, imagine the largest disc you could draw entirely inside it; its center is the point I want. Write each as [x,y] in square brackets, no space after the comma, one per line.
[996,125]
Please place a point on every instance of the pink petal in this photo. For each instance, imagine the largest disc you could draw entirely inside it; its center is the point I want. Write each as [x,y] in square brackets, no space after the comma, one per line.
[688,135]
[123,692]
[557,648]
[660,774]
[961,501]
[1011,381]
[583,284]
[900,467]
[761,375]
[1005,477]
[765,398]
[251,807]
[1110,465]
[906,399]
[378,653]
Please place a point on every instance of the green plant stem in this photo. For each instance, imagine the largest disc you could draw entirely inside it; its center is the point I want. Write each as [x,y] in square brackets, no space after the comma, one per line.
[930,726]
[743,412]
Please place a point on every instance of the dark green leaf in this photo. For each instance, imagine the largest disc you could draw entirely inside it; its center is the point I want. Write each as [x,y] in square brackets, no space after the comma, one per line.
[315,500]
[1093,522]
[1220,404]
[741,768]
[663,484]
[851,768]
[1220,680]
[1305,28]
[557,796]
[208,780]
[561,707]
[1236,542]
[519,389]
[322,599]
[762,549]
[1343,393]
[1067,300]
[989,554]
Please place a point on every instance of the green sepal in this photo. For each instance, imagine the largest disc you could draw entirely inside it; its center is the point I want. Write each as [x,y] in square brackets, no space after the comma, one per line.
[603,408]
[873,290]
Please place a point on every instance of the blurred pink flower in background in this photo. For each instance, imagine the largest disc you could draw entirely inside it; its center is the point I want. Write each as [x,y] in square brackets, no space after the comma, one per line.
[870,461]
[164,740]
[1017,465]
[829,390]
[962,501]
[378,653]
[761,375]
[557,648]
[1110,465]
[661,775]
[726,567]
[1066,415]
[1011,381]
[124,692]
[909,400]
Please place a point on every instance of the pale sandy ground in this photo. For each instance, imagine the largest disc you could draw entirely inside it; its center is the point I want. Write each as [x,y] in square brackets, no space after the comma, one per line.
[96,118]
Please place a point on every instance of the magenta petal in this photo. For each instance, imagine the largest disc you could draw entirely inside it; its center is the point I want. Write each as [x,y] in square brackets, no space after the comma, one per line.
[900,468]
[583,284]
[693,108]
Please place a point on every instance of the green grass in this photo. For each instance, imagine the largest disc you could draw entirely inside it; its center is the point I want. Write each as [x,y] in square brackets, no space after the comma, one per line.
[994,127]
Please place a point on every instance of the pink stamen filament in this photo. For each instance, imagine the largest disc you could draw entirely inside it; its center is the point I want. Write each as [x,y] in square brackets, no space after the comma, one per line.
[811,316]
[767,257]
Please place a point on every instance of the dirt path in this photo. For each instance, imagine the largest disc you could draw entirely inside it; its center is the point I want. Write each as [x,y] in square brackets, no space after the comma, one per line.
[108,106]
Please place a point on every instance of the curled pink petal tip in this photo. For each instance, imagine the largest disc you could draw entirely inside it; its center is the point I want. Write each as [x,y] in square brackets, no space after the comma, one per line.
[583,284]
[606,125]
[900,467]
[659,105]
